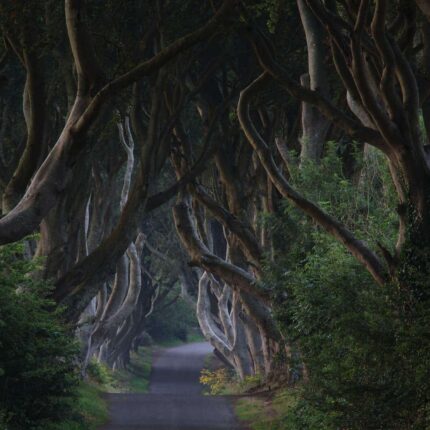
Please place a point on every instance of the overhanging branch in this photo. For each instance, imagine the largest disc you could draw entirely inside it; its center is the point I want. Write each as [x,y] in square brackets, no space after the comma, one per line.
[332,226]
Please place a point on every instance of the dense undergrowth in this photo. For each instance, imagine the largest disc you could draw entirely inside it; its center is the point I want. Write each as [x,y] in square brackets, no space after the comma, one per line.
[38,375]
[269,412]
[361,348]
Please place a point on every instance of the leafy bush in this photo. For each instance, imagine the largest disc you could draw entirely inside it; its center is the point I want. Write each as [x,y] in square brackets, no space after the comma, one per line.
[216,380]
[282,411]
[37,353]
[99,372]
[365,355]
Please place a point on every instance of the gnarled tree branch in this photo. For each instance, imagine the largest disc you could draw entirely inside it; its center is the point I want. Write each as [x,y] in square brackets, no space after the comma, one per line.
[363,254]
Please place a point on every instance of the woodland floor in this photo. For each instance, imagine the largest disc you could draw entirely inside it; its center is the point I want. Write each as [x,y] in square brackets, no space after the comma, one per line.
[174,401]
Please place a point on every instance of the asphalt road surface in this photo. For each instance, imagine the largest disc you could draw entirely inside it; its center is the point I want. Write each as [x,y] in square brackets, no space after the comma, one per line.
[174,401]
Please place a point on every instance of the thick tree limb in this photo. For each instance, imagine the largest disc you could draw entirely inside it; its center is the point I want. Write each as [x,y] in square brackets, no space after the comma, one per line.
[314,124]
[424,6]
[89,72]
[130,301]
[76,288]
[207,325]
[246,237]
[34,115]
[150,66]
[351,126]
[55,173]
[201,256]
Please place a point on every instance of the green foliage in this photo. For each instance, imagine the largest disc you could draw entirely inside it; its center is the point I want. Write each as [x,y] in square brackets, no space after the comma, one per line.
[367,364]
[366,354]
[133,379]
[362,202]
[253,412]
[250,382]
[99,372]
[37,354]
[279,412]
[91,410]
[270,9]
[361,199]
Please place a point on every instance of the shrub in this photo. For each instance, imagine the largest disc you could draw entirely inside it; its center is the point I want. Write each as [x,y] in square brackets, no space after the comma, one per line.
[37,353]
[99,372]
[216,380]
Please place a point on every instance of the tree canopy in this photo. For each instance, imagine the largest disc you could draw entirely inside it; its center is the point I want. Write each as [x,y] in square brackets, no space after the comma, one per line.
[264,163]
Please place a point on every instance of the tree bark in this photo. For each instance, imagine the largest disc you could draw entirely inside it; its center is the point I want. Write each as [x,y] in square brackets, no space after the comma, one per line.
[314,124]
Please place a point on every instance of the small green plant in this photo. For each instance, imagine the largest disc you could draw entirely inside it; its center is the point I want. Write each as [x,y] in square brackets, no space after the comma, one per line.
[99,372]
[270,412]
[249,382]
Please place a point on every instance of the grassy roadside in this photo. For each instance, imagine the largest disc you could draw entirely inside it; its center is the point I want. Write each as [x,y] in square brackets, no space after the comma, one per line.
[268,412]
[133,379]
[256,406]
[91,409]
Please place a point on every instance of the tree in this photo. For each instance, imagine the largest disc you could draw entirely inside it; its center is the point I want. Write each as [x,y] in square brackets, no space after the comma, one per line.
[38,375]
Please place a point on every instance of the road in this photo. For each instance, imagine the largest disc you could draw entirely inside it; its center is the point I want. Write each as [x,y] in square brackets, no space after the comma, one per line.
[174,401]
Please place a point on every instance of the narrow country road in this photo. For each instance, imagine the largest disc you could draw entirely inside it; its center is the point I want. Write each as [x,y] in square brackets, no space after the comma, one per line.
[174,401]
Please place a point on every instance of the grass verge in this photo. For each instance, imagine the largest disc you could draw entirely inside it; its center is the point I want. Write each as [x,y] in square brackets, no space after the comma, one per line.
[91,410]
[264,410]
[133,379]
[267,412]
